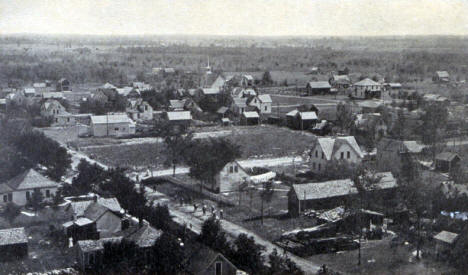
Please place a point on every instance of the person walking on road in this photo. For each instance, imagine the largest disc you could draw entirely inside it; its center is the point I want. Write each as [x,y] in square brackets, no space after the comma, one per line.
[221,213]
[195,206]
[204,209]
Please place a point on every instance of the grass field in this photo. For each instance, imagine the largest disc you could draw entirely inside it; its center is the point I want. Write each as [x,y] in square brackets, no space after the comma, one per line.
[255,142]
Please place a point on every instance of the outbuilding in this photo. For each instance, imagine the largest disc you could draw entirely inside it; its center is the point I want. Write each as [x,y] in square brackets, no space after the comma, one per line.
[13,244]
[446,161]
[318,87]
[112,125]
[250,118]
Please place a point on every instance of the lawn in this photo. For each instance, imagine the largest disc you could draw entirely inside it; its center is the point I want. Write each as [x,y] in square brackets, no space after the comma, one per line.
[255,141]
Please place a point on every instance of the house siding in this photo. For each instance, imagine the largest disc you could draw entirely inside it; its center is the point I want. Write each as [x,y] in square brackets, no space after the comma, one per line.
[108,224]
[227,181]
[112,129]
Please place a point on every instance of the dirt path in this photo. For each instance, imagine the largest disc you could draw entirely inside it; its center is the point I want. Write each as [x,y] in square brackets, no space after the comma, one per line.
[194,221]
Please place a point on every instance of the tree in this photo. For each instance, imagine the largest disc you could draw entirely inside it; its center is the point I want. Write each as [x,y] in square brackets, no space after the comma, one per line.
[434,123]
[266,78]
[281,264]
[344,116]
[88,178]
[213,236]
[399,128]
[119,257]
[459,255]
[36,200]
[168,255]
[248,255]
[267,194]
[206,158]
[11,211]
[176,139]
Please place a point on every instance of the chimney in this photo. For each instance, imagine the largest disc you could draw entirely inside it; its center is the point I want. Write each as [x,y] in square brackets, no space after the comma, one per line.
[125,224]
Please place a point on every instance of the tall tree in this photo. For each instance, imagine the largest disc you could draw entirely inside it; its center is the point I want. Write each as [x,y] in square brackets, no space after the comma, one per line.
[176,139]
[434,123]
[206,158]
[168,255]
[213,236]
[344,116]
[248,255]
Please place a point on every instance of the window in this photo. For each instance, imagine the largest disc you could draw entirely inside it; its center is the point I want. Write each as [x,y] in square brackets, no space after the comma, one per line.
[47,193]
[56,119]
[348,154]
[319,166]
[10,197]
[266,108]
[146,107]
[231,169]
[218,268]
[242,110]
[5,198]
[68,119]
[313,165]
[116,128]
[316,153]
[27,195]
[342,155]
[323,155]
[236,169]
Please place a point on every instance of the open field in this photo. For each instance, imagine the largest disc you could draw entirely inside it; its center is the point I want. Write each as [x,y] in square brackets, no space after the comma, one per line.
[255,142]
[379,258]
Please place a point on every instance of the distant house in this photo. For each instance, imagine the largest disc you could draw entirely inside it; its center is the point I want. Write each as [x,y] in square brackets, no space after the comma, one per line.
[52,95]
[250,118]
[52,107]
[392,154]
[144,236]
[262,103]
[93,218]
[340,81]
[179,119]
[238,105]
[301,120]
[128,92]
[326,149]
[371,121]
[29,92]
[444,243]
[319,195]
[142,86]
[20,188]
[243,92]
[63,85]
[203,260]
[13,244]
[369,106]
[41,87]
[229,178]
[247,80]
[393,89]
[366,88]
[318,87]
[138,109]
[445,161]
[441,76]
[112,125]
[436,99]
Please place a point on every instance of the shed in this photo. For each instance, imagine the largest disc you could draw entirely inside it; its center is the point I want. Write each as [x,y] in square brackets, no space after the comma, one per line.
[319,195]
[318,87]
[445,161]
[13,244]
[250,118]
[444,242]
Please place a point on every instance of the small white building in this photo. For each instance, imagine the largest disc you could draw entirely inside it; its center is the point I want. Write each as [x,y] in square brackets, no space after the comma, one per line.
[326,149]
[112,125]
[262,103]
[230,178]
[138,109]
[20,188]
[366,88]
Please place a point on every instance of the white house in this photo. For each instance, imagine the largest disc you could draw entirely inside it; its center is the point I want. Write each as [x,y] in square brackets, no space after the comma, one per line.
[230,178]
[326,149]
[366,88]
[262,103]
[138,109]
[20,188]
[52,107]
[112,125]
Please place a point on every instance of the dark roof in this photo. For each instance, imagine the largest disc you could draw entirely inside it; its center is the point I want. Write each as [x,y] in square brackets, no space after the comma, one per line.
[95,211]
[446,156]
[30,179]
[13,236]
[201,258]
[145,236]
[5,189]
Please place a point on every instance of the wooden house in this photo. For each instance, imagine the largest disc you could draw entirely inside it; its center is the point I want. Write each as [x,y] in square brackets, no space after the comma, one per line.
[13,244]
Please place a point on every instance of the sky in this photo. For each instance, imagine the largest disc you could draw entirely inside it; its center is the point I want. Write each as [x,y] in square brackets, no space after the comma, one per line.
[236,17]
